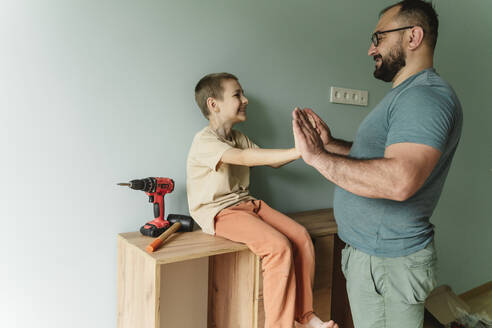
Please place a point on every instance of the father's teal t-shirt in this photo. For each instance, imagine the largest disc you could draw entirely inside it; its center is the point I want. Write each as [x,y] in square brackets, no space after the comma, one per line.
[423,109]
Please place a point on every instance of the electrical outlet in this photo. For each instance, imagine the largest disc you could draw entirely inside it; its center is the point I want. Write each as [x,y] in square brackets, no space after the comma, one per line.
[349,96]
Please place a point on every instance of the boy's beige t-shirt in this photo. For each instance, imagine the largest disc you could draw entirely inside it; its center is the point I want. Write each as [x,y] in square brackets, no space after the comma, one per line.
[211,189]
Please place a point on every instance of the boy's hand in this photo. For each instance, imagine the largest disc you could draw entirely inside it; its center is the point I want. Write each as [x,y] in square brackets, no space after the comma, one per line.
[320,126]
[307,140]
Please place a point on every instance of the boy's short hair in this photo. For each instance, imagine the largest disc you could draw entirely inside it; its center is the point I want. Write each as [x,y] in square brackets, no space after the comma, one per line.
[210,86]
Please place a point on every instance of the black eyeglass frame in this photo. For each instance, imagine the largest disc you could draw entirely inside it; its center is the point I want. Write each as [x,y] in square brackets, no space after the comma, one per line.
[375,35]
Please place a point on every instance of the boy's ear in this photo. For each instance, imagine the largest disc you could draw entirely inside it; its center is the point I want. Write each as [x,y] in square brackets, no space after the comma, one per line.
[212,105]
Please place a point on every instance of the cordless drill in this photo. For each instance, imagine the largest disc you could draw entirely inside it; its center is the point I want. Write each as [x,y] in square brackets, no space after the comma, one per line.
[155,188]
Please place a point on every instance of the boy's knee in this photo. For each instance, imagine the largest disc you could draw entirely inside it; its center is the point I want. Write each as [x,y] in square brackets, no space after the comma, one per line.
[304,234]
[281,246]
[304,238]
[305,245]
[300,232]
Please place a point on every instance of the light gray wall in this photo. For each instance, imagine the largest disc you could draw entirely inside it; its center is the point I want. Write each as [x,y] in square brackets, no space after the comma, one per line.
[98,92]
[464,215]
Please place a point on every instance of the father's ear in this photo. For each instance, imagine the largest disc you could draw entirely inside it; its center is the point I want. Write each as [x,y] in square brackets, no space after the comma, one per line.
[212,105]
[416,37]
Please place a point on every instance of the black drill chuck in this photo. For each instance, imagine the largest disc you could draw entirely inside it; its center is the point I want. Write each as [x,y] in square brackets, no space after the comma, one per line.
[146,185]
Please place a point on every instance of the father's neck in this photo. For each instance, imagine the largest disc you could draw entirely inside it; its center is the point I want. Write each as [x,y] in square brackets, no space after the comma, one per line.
[412,67]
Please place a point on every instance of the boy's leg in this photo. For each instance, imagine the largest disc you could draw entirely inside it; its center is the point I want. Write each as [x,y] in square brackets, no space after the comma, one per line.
[241,223]
[303,252]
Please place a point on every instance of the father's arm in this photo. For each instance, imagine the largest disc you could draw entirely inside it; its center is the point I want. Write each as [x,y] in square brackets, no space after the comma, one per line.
[397,176]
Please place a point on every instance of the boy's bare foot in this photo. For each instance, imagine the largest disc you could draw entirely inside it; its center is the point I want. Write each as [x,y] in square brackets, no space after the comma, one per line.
[316,322]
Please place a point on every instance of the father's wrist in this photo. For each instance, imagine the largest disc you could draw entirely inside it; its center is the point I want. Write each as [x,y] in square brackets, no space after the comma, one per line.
[316,161]
[338,146]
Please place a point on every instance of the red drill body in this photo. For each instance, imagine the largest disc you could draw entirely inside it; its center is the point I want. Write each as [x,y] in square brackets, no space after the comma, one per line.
[155,188]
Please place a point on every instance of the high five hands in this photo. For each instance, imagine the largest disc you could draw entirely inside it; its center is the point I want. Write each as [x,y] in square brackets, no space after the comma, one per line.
[311,134]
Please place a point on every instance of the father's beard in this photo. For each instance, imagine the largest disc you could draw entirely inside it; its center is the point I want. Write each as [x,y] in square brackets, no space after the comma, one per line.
[391,64]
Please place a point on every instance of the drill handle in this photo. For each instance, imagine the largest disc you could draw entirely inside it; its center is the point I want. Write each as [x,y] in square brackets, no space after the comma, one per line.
[157,210]
[158,206]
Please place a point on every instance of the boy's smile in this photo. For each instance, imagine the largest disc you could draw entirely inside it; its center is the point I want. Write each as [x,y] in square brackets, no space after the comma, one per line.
[232,107]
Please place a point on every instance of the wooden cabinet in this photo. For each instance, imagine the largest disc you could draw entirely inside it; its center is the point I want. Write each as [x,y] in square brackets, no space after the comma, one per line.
[231,283]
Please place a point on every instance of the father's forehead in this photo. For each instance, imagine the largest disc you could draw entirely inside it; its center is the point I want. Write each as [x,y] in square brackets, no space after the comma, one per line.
[388,19]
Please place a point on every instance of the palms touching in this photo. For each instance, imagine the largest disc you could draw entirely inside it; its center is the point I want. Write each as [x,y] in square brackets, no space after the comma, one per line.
[311,134]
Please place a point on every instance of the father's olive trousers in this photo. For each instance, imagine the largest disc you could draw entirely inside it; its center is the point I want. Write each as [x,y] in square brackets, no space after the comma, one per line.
[389,292]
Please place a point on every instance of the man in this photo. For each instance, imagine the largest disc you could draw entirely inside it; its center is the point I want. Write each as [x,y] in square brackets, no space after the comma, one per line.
[390,178]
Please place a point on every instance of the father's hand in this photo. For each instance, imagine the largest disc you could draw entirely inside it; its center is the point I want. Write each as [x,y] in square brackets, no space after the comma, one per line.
[307,140]
[320,126]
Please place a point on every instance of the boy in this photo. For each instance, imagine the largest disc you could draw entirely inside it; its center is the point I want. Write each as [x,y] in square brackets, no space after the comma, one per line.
[219,201]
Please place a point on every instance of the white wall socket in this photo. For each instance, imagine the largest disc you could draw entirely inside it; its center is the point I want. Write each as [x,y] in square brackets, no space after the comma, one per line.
[349,96]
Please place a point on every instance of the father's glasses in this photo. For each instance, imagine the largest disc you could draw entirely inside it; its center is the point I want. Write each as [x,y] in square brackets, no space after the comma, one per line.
[375,35]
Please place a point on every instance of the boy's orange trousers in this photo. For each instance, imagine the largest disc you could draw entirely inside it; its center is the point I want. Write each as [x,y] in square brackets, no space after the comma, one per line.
[287,254]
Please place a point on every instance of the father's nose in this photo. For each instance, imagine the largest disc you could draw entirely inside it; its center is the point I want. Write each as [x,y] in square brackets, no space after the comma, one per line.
[372,50]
